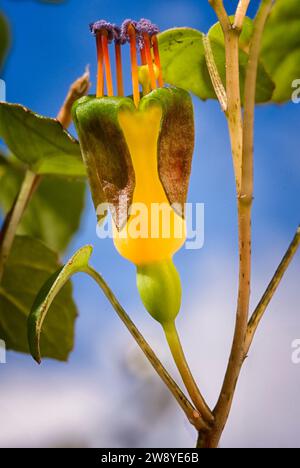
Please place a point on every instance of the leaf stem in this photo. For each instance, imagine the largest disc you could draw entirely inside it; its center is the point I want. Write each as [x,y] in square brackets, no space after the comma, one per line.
[192,414]
[214,73]
[271,290]
[240,14]
[13,218]
[185,372]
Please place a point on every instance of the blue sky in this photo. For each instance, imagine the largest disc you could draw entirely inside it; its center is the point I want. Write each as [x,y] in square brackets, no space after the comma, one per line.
[51,47]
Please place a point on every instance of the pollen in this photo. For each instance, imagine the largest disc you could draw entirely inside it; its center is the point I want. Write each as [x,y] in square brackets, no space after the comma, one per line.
[144,56]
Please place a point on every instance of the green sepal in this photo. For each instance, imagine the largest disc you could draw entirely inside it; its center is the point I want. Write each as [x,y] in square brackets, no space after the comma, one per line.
[159,287]
[107,156]
[176,142]
[105,153]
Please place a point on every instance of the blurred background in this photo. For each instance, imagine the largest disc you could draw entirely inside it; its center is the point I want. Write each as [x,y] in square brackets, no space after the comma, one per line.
[107,395]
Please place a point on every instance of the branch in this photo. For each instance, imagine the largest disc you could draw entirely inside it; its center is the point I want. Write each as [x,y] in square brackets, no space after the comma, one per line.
[31,181]
[249,99]
[271,289]
[192,414]
[240,14]
[234,108]
[214,73]
[221,13]
[234,113]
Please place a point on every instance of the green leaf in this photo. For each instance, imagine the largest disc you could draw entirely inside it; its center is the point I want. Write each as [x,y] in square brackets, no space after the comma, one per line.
[184,65]
[281,47]
[55,210]
[28,267]
[183,61]
[4,39]
[40,142]
[48,293]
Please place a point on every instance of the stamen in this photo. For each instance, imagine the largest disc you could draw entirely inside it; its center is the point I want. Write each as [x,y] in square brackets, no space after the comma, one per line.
[157,61]
[145,26]
[119,71]
[149,60]
[143,56]
[109,82]
[134,64]
[103,25]
[100,76]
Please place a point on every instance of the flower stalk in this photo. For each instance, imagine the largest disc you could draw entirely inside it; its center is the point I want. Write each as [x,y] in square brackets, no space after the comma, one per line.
[192,414]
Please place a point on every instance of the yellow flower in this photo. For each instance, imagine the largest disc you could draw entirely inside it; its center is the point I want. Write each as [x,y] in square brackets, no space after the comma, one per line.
[138,153]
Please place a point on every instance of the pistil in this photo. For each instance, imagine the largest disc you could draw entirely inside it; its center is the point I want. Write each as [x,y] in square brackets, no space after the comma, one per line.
[109,83]
[134,64]
[120,86]
[157,60]
[143,56]
[147,46]
[100,76]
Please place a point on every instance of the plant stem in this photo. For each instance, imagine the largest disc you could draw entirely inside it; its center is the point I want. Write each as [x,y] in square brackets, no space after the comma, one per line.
[249,99]
[243,161]
[192,414]
[236,359]
[221,13]
[234,112]
[13,218]
[184,370]
[270,291]
[240,14]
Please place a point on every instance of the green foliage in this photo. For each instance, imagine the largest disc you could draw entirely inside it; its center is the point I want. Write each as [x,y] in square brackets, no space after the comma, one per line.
[40,142]
[184,65]
[53,215]
[281,47]
[4,39]
[183,59]
[46,296]
[29,265]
